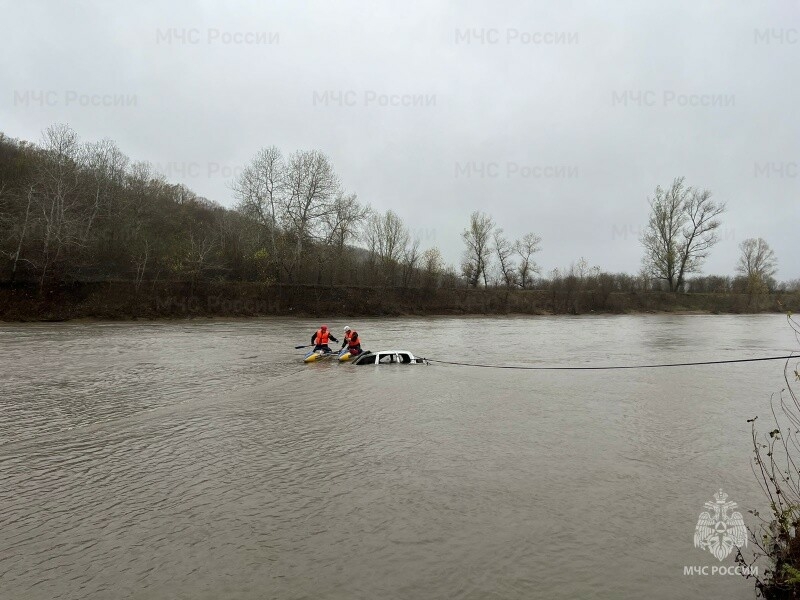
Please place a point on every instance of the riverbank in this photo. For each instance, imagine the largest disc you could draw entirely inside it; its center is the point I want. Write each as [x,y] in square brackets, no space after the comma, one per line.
[121,300]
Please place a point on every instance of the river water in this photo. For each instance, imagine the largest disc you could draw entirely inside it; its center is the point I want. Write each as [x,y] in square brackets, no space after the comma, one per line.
[202,459]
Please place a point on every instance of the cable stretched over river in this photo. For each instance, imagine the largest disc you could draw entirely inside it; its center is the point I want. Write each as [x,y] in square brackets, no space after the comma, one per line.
[610,367]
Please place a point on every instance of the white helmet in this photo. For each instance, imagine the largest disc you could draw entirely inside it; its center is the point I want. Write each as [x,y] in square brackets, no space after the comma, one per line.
[347,328]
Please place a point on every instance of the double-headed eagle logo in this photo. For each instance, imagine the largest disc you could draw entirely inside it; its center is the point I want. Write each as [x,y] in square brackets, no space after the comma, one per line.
[717,530]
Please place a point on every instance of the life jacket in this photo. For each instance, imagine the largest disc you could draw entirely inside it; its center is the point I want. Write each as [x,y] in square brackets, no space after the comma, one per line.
[321,339]
[352,340]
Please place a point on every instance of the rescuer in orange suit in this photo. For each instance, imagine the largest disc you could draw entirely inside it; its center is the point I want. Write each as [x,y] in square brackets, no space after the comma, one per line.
[352,341]
[321,337]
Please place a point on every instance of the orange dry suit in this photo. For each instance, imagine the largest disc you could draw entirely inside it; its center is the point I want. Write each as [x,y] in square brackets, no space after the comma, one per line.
[353,342]
[320,339]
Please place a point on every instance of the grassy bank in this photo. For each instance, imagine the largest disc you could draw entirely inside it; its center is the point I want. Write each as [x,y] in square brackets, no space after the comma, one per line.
[121,300]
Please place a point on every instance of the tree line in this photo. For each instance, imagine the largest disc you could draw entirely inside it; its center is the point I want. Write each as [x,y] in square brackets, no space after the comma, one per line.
[76,211]
[83,211]
[680,233]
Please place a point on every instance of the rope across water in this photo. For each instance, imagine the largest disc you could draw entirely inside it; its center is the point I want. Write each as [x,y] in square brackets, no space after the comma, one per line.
[610,367]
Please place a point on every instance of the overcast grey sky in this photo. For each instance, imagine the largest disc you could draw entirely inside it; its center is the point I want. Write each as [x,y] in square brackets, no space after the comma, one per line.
[554,117]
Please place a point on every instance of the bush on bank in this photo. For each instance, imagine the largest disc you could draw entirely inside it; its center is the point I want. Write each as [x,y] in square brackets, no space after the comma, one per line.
[122,300]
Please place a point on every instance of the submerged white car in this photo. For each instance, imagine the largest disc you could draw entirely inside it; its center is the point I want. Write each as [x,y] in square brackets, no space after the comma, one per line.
[387,357]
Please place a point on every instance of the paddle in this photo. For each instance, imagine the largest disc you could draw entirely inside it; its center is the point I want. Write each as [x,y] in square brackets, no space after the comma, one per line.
[307,346]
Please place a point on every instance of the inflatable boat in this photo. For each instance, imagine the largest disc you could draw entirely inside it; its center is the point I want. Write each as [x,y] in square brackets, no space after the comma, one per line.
[320,355]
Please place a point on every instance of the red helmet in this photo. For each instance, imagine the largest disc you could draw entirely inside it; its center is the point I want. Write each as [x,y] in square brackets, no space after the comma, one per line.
[324,327]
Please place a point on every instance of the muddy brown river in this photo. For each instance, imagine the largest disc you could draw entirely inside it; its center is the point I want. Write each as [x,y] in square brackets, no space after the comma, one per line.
[203,460]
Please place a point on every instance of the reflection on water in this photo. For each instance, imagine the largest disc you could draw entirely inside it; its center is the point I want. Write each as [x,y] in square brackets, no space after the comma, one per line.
[203,460]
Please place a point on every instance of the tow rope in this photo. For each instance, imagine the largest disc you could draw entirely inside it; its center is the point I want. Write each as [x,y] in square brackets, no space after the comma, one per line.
[609,367]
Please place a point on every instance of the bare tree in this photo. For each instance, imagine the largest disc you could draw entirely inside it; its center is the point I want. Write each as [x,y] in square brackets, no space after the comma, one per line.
[410,260]
[57,206]
[260,190]
[201,247]
[298,202]
[757,264]
[139,261]
[195,256]
[311,190]
[582,268]
[16,226]
[339,229]
[312,187]
[106,167]
[504,250]
[386,236]
[432,266]
[477,256]
[387,239]
[342,224]
[525,249]
[259,187]
[699,235]
[680,232]
[660,239]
